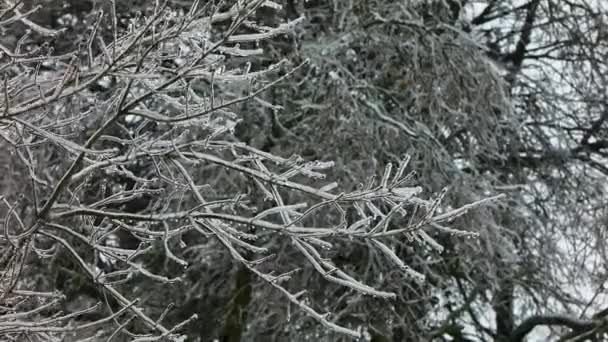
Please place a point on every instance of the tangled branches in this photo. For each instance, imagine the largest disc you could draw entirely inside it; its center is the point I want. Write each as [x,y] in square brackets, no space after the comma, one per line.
[115,141]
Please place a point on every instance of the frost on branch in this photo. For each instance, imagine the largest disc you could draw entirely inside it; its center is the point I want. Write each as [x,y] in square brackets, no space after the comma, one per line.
[106,182]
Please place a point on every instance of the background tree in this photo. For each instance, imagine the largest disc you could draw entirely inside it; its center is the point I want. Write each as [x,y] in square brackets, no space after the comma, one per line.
[491,96]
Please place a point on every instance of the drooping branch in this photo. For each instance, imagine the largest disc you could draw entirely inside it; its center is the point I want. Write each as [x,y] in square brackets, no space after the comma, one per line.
[523,329]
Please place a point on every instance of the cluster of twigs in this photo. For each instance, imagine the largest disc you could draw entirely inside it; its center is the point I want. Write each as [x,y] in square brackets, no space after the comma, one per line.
[156,127]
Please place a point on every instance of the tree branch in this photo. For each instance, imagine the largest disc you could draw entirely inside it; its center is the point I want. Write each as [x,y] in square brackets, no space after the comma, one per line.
[531,322]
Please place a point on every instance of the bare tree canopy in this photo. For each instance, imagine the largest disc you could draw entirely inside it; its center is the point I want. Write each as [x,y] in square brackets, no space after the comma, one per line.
[240,170]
